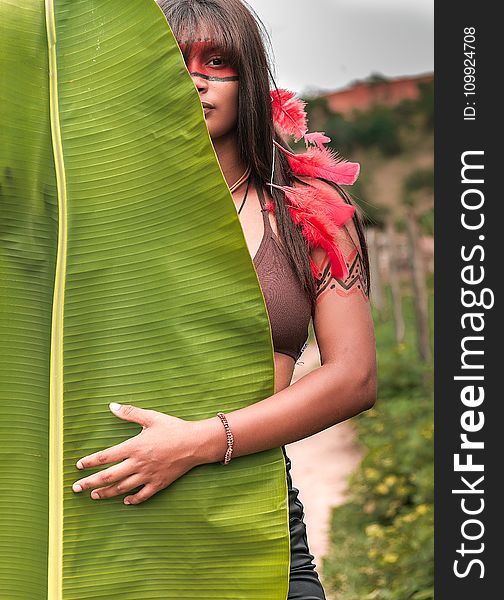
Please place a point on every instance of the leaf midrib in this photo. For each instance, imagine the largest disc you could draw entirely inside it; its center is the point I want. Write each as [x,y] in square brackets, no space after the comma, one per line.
[55,534]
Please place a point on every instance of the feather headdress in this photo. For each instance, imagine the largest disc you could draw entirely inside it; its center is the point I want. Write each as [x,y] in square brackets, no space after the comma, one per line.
[319,211]
[289,114]
[322,162]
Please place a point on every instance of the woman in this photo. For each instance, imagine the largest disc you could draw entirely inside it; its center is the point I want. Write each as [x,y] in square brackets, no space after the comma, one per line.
[225,54]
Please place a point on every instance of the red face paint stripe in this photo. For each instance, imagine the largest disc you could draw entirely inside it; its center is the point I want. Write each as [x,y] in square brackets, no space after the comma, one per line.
[200,62]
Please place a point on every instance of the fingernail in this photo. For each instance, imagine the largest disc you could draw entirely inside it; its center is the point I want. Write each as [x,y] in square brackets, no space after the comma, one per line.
[79,464]
[95,495]
[114,406]
[127,502]
[76,487]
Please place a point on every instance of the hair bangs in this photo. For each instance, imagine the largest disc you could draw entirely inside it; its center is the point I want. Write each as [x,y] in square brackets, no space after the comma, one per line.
[195,22]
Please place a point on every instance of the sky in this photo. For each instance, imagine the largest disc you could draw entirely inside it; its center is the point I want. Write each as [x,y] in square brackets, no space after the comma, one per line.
[328,44]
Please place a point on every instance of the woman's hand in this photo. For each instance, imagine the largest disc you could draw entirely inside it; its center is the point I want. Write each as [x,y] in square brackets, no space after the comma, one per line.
[162,452]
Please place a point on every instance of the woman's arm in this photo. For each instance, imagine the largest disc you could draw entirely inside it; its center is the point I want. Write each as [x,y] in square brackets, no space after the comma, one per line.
[343,386]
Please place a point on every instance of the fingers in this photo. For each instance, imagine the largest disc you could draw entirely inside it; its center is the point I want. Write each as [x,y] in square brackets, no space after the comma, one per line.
[113,454]
[121,487]
[133,413]
[105,477]
[120,452]
[144,494]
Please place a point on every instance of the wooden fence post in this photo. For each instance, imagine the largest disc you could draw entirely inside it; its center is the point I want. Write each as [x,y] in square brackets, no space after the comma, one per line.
[377,297]
[395,286]
[419,286]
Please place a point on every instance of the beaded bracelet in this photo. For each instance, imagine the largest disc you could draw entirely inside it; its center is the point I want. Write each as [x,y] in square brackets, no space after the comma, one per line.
[229,437]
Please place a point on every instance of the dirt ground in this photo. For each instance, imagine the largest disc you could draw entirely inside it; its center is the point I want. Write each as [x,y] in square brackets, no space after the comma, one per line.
[321,464]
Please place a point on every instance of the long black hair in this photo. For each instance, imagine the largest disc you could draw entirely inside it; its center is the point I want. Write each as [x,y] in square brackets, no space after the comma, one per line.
[241,35]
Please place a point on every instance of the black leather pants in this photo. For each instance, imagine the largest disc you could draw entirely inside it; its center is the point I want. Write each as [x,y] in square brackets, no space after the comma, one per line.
[304,583]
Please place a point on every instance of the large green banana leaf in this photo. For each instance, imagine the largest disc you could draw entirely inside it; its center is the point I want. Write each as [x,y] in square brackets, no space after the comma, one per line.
[124,276]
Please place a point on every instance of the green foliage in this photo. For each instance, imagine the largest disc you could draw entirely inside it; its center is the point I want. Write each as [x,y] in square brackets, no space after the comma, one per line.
[376,78]
[377,128]
[382,538]
[380,127]
[419,182]
[425,103]
[374,215]
[421,179]
[420,110]
[426,221]
[342,133]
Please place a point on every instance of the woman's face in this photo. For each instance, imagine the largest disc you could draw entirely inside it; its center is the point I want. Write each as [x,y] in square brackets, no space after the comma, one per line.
[217,83]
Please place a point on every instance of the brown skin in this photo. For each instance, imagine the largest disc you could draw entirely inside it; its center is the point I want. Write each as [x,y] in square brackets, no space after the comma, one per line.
[343,386]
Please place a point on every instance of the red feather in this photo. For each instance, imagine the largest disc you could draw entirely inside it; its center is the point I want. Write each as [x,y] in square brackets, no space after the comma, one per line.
[324,163]
[320,213]
[318,138]
[289,113]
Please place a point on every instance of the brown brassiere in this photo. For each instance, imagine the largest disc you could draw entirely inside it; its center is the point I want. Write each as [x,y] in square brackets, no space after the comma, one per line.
[288,304]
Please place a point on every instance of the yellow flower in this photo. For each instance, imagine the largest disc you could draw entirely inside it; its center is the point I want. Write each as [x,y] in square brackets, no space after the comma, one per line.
[374,530]
[422,509]
[390,557]
[390,479]
[373,553]
[382,488]
[371,473]
[427,432]
[410,517]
